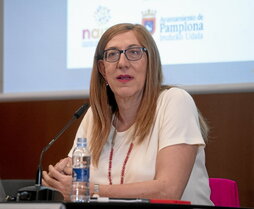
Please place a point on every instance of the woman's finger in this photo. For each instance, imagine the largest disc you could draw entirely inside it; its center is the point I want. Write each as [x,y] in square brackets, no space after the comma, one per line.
[44,183]
[52,179]
[68,170]
[62,164]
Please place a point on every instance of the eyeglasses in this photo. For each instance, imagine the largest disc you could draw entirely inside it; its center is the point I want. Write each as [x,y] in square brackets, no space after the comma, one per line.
[132,54]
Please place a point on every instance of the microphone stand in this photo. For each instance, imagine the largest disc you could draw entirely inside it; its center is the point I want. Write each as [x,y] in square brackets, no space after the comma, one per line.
[39,192]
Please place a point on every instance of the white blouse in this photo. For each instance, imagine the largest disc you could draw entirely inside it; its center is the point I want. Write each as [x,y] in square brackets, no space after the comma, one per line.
[176,122]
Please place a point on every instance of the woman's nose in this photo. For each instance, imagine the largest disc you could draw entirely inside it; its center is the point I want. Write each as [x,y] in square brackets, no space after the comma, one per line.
[123,62]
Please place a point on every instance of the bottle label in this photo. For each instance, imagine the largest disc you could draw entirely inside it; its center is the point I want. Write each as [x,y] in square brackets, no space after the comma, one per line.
[80,174]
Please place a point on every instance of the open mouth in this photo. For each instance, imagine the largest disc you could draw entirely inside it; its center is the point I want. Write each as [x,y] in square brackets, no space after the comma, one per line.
[124,77]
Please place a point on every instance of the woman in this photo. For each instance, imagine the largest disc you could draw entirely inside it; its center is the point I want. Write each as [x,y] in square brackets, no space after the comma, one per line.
[146,140]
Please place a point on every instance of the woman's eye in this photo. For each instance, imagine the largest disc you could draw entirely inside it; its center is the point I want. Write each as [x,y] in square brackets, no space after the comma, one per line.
[112,54]
[134,52]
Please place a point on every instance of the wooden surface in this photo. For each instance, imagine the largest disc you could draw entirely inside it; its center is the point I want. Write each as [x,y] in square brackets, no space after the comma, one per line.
[26,127]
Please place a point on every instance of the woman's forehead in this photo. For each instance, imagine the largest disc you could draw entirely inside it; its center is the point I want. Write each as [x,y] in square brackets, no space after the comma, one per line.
[123,40]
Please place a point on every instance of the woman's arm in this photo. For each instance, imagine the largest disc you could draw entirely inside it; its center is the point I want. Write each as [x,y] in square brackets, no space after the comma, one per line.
[173,168]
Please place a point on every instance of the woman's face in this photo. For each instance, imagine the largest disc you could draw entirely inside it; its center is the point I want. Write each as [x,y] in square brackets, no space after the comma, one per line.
[126,78]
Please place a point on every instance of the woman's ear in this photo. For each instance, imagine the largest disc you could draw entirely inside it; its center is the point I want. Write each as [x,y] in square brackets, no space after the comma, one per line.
[101,67]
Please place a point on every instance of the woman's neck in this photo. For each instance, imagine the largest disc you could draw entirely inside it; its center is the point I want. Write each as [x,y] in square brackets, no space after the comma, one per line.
[124,121]
[127,111]
[125,117]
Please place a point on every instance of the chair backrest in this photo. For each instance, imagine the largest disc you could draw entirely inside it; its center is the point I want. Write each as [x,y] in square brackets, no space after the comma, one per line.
[224,192]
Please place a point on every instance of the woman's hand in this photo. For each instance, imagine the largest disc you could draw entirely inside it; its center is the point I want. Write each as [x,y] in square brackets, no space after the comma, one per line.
[59,177]
[64,166]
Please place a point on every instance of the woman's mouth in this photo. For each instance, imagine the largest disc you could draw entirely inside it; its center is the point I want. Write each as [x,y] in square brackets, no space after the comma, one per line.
[124,78]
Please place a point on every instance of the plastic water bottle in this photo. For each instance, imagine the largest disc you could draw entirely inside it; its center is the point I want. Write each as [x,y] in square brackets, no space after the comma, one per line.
[80,172]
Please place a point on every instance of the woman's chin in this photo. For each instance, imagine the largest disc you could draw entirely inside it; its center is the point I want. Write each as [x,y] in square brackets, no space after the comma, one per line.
[125,93]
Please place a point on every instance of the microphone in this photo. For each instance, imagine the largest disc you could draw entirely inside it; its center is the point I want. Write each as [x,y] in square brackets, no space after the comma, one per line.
[39,192]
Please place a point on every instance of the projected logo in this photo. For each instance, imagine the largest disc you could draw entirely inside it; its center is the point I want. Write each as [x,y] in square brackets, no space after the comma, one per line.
[90,36]
[102,15]
[149,20]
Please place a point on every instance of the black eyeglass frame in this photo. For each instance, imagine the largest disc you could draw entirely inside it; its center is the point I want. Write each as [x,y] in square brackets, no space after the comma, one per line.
[142,49]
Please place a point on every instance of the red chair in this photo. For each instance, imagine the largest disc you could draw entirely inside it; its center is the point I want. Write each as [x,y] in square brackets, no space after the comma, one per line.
[224,192]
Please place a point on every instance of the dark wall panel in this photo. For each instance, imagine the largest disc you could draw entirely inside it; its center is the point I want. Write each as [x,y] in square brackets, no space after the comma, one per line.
[230,150]
[26,127]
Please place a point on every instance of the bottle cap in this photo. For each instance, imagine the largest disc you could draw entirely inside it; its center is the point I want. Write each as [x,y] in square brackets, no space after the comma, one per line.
[81,142]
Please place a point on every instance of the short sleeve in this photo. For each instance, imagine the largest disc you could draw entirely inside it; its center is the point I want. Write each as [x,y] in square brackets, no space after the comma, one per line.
[84,129]
[179,120]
